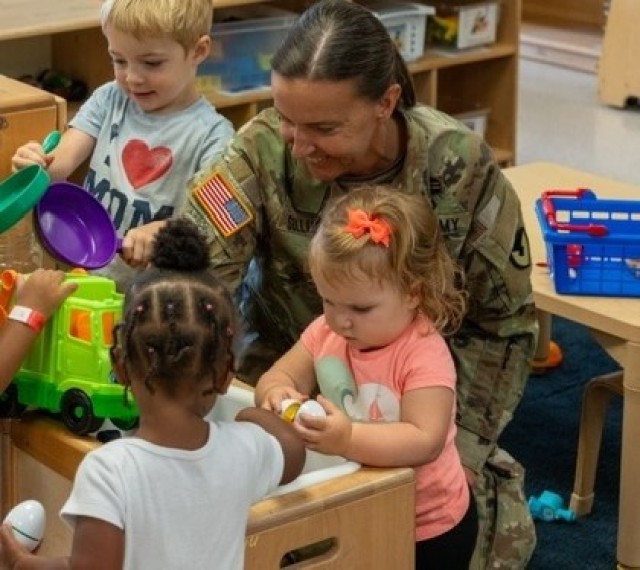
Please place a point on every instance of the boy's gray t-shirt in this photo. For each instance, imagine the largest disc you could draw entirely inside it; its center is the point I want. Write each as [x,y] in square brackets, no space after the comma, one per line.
[142,162]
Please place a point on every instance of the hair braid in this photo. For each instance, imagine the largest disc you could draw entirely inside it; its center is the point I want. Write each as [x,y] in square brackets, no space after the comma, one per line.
[178,320]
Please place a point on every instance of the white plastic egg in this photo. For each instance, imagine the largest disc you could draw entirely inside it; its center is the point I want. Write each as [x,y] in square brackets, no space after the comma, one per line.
[27,520]
[312,408]
[290,410]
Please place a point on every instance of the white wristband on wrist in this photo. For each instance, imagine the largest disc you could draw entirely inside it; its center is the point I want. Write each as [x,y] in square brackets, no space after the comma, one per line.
[35,320]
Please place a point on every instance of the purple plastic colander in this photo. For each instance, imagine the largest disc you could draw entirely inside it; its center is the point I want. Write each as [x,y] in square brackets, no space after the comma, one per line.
[74,227]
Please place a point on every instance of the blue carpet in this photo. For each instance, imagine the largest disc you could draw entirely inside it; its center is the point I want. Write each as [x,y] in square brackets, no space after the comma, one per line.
[543,437]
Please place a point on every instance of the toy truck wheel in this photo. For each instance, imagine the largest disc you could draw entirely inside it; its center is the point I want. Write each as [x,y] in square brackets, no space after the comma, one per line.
[10,407]
[77,414]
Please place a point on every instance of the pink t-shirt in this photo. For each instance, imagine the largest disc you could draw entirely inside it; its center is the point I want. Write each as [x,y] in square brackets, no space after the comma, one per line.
[368,386]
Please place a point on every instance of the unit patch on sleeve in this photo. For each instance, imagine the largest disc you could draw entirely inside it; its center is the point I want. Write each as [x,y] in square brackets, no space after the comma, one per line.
[521,253]
[222,203]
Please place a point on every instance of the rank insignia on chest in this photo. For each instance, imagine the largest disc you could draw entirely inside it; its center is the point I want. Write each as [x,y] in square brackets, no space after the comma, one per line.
[222,203]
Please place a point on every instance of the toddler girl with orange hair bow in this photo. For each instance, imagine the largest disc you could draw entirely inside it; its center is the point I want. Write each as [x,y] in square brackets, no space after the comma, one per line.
[390,291]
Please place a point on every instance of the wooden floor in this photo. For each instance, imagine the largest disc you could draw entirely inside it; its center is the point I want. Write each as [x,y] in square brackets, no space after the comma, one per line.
[575,49]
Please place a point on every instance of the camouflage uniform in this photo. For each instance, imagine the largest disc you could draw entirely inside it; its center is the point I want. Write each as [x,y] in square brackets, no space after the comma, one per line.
[481,220]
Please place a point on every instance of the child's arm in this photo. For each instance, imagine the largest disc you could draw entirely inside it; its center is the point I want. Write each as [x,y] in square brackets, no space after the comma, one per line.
[291,376]
[418,437]
[74,147]
[97,545]
[292,445]
[42,291]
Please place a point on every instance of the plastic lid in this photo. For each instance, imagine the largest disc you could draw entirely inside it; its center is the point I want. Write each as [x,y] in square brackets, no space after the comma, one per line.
[19,193]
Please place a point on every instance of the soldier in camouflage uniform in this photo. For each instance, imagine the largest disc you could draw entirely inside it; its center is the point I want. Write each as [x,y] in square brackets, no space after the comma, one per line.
[345,113]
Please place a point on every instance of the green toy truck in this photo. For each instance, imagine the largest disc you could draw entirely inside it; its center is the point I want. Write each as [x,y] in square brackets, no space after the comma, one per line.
[68,370]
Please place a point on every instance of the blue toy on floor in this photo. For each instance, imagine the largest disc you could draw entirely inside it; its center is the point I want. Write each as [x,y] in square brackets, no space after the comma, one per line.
[549,506]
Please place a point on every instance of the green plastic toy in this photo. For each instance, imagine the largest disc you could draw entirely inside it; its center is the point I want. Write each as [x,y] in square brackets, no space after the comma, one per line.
[20,191]
[68,369]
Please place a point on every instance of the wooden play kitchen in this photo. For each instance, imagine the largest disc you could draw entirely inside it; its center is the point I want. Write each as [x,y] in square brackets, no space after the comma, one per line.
[26,114]
[368,515]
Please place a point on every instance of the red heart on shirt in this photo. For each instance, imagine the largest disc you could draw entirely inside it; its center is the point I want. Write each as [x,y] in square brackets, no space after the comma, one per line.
[142,164]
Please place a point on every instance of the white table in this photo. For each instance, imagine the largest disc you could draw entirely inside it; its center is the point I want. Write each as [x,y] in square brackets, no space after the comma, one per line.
[615,322]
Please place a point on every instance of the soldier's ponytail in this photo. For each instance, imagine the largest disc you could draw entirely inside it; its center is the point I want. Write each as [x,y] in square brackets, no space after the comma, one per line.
[404,79]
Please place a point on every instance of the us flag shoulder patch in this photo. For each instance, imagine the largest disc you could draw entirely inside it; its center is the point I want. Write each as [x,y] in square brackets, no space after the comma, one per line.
[222,204]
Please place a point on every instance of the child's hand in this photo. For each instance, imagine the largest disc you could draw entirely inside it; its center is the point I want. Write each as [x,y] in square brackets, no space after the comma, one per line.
[30,153]
[330,435]
[137,244]
[44,290]
[272,399]
[11,551]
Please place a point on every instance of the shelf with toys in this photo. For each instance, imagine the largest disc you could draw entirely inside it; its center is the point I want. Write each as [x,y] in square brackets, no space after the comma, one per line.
[456,81]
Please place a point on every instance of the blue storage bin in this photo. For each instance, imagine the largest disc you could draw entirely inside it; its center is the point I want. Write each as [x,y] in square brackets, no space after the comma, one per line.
[593,246]
[244,39]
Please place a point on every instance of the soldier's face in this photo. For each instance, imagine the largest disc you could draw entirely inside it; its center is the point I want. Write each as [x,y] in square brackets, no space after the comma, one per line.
[329,127]
[366,312]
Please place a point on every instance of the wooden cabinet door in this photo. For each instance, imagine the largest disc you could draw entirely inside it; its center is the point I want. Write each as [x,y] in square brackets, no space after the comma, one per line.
[19,127]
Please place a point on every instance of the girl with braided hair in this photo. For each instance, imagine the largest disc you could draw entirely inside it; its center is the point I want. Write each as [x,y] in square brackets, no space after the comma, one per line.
[176,494]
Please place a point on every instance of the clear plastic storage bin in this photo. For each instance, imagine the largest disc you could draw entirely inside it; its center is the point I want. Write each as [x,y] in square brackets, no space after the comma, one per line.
[244,41]
[406,23]
[475,120]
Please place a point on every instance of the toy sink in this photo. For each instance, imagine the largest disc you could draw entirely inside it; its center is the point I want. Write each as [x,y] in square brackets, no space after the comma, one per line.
[334,516]
[317,468]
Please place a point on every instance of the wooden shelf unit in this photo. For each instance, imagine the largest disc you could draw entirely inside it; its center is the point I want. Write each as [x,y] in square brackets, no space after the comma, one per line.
[456,82]
[569,14]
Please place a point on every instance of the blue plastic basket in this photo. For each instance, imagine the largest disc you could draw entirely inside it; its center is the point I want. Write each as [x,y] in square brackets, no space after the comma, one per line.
[593,246]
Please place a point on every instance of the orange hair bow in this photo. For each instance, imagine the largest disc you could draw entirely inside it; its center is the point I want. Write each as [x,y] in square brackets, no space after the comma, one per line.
[361,223]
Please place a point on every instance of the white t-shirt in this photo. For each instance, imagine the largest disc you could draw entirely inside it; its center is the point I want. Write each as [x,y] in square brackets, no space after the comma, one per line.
[179,509]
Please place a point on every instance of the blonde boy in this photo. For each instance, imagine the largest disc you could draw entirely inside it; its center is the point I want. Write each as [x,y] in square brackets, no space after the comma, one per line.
[148,131]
